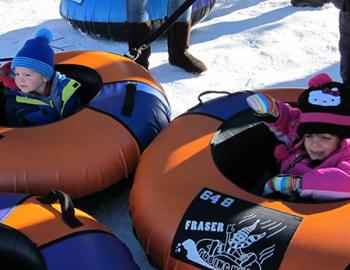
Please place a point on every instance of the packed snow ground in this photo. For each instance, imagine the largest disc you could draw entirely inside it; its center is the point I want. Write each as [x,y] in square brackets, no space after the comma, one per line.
[245,44]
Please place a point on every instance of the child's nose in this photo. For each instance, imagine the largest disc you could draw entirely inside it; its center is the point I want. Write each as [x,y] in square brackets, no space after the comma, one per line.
[315,141]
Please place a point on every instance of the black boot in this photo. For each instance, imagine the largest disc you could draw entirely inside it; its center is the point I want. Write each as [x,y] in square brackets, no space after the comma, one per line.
[137,34]
[178,43]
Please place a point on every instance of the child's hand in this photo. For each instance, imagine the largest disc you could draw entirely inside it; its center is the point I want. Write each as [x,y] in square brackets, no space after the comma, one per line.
[284,184]
[263,105]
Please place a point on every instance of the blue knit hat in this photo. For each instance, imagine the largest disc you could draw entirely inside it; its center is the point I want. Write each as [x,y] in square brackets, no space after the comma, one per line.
[37,54]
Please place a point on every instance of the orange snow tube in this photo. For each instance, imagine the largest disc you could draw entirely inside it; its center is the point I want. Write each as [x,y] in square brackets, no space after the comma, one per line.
[193,205]
[124,109]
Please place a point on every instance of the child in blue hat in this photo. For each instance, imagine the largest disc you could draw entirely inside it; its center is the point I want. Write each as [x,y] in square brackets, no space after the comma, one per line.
[40,94]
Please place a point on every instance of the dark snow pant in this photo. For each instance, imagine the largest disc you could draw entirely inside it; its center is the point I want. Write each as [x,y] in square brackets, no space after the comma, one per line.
[344,46]
[344,41]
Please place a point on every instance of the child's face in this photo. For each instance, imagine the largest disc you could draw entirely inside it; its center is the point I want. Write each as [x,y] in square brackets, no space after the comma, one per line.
[28,80]
[321,146]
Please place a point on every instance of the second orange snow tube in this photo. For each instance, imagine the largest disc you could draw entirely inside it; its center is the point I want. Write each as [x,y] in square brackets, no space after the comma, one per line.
[192,205]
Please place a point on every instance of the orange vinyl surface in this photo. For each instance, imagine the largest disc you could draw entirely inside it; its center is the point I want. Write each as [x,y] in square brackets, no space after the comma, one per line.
[43,223]
[107,151]
[105,63]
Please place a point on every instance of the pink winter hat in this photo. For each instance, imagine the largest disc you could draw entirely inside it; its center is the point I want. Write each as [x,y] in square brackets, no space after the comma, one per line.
[325,107]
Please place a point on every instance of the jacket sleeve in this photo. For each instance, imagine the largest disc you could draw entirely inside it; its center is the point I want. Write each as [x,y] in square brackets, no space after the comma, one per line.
[11,108]
[285,128]
[10,111]
[328,183]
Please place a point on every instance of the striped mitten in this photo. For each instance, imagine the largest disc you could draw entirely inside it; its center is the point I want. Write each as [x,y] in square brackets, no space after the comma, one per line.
[263,105]
[284,184]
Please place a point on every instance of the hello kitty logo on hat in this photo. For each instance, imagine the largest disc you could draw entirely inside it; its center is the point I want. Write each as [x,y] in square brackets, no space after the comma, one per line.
[325,97]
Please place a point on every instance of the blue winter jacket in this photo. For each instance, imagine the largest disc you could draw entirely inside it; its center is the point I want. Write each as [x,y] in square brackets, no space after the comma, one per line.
[29,110]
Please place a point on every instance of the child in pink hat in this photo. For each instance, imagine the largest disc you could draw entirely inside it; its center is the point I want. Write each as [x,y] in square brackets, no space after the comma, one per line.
[314,155]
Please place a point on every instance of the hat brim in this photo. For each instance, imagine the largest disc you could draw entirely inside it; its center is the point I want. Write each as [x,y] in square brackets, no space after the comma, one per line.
[38,66]
[317,128]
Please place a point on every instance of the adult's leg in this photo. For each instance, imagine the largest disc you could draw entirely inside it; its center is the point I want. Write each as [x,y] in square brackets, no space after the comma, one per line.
[338,3]
[309,3]
[138,28]
[179,41]
[344,45]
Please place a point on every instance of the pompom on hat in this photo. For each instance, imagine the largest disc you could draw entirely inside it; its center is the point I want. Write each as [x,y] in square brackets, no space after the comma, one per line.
[325,108]
[319,80]
[36,54]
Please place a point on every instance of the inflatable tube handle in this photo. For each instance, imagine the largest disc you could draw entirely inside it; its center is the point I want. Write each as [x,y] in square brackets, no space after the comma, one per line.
[67,207]
[211,92]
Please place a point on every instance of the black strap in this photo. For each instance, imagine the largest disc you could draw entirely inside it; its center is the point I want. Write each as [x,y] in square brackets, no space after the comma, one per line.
[67,207]
[6,59]
[136,52]
[129,99]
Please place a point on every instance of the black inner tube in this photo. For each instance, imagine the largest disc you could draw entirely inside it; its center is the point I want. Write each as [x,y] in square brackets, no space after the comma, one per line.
[242,150]
[18,252]
[91,81]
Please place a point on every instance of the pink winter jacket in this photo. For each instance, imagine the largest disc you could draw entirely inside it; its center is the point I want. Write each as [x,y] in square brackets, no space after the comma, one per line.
[329,180]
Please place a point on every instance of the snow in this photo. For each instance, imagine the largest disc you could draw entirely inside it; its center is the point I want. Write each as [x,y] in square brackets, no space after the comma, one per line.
[245,44]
